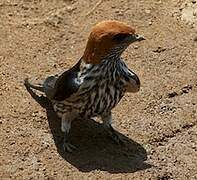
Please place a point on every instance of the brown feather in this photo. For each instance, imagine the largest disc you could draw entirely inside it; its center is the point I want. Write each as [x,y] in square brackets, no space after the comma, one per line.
[101,41]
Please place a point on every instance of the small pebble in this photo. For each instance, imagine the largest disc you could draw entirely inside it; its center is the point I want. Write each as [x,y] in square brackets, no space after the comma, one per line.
[147,11]
[159,49]
[70,8]
[117,11]
[195,39]
[172,94]
[186,89]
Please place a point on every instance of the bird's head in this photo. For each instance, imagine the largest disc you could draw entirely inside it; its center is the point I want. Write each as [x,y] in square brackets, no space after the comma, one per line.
[109,38]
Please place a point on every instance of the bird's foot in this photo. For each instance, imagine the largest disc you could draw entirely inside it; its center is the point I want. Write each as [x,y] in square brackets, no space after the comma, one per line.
[68,147]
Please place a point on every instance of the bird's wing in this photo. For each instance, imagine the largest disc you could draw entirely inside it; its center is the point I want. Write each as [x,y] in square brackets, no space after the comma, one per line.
[132,82]
[61,87]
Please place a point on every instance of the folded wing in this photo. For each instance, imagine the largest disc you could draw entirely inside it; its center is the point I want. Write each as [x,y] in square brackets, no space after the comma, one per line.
[63,86]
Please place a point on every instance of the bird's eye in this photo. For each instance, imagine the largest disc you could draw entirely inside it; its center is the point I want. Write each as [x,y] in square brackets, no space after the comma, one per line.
[120,37]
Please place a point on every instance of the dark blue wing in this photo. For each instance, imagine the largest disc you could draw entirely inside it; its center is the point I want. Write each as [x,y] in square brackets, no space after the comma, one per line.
[61,87]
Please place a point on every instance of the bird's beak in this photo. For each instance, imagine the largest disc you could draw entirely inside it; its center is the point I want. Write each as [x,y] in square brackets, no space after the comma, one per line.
[138,37]
[134,37]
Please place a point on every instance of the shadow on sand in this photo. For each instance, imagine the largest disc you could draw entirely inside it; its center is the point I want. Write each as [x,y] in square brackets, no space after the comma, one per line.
[95,150]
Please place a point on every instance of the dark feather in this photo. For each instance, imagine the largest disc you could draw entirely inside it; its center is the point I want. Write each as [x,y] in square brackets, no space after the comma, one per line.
[61,87]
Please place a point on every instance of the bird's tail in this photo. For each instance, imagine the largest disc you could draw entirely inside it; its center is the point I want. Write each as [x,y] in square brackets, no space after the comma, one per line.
[38,87]
[48,87]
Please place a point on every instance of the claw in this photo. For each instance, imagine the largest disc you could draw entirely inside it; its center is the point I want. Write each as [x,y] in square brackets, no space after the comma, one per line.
[67,146]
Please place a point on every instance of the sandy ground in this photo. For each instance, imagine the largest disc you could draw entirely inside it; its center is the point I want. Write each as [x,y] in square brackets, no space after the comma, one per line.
[158,124]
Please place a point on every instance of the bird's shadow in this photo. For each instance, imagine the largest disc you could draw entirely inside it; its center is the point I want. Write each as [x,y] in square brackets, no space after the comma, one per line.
[95,151]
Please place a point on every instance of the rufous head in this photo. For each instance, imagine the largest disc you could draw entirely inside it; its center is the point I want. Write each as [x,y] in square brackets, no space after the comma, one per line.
[105,36]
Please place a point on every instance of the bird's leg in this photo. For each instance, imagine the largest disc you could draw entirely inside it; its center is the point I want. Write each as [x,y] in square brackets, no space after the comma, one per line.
[107,122]
[65,127]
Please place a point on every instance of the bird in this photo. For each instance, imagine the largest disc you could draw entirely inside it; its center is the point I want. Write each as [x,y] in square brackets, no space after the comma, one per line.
[97,82]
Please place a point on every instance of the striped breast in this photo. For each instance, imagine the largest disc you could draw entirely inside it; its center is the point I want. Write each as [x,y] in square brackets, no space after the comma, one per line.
[100,91]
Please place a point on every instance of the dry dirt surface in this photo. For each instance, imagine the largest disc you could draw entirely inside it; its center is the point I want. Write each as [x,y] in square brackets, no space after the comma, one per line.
[158,124]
